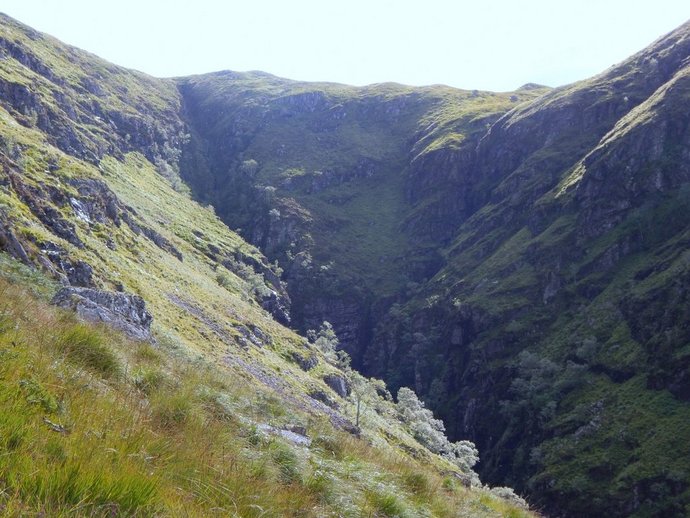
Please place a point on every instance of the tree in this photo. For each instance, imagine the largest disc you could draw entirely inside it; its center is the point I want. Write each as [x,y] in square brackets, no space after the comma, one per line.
[430,432]
[362,392]
[249,167]
[326,340]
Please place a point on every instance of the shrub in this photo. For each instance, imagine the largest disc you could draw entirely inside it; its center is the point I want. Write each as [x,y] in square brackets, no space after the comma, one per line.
[326,340]
[430,432]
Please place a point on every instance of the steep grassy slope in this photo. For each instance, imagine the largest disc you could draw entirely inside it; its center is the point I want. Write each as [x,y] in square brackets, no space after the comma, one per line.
[93,424]
[225,410]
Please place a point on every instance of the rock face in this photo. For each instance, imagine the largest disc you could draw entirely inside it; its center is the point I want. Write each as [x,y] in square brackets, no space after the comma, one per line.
[119,310]
[330,218]
[10,244]
[338,383]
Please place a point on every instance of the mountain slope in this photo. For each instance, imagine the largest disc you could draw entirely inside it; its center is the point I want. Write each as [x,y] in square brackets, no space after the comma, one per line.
[555,333]
[318,176]
[225,409]
[536,251]
[520,259]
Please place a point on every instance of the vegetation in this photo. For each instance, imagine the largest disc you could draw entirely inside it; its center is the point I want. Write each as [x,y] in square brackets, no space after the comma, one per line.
[519,259]
[97,438]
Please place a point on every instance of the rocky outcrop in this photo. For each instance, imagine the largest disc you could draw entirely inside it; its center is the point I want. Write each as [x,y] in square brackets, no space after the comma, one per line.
[122,311]
[82,113]
[75,273]
[306,362]
[9,242]
[338,384]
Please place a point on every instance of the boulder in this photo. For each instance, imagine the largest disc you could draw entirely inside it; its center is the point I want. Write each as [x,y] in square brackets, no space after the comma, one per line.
[122,311]
[10,244]
[306,363]
[338,384]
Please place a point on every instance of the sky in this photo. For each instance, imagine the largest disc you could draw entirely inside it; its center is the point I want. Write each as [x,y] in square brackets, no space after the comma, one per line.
[480,44]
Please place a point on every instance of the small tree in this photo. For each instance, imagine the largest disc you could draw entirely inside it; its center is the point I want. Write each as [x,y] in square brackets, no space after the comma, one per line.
[249,167]
[363,391]
[428,431]
[463,454]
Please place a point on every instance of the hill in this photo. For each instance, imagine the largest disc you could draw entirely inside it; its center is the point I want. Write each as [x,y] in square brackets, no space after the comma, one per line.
[167,382]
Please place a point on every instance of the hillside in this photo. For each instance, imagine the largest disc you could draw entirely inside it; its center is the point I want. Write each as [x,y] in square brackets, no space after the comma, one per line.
[519,259]
[168,383]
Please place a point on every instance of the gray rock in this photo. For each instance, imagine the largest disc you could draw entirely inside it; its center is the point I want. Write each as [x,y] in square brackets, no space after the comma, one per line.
[119,310]
[306,363]
[320,395]
[10,244]
[338,384]
[78,273]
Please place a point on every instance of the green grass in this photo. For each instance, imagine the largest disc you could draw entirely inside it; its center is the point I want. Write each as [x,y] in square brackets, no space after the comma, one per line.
[172,437]
[85,347]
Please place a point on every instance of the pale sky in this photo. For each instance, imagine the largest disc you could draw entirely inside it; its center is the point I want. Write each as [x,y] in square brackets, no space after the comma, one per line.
[494,45]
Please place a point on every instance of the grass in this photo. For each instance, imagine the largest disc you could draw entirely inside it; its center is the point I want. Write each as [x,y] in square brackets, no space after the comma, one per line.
[80,436]
[84,346]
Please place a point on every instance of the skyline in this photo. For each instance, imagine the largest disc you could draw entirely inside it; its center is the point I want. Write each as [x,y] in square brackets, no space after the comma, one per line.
[495,47]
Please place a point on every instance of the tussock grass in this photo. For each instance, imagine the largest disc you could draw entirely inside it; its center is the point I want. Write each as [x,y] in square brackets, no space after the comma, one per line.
[85,346]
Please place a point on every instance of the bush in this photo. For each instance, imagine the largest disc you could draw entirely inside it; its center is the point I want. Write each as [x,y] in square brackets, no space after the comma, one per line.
[325,339]
[431,434]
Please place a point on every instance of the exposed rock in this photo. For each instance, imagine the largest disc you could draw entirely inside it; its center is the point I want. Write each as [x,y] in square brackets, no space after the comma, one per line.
[78,273]
[320,395]
[10,244]
[338,384]
[277,307]
[306,363]
[252,335]
[121,311]
[296,435]
[275,300]
[37,201]
[161,242]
